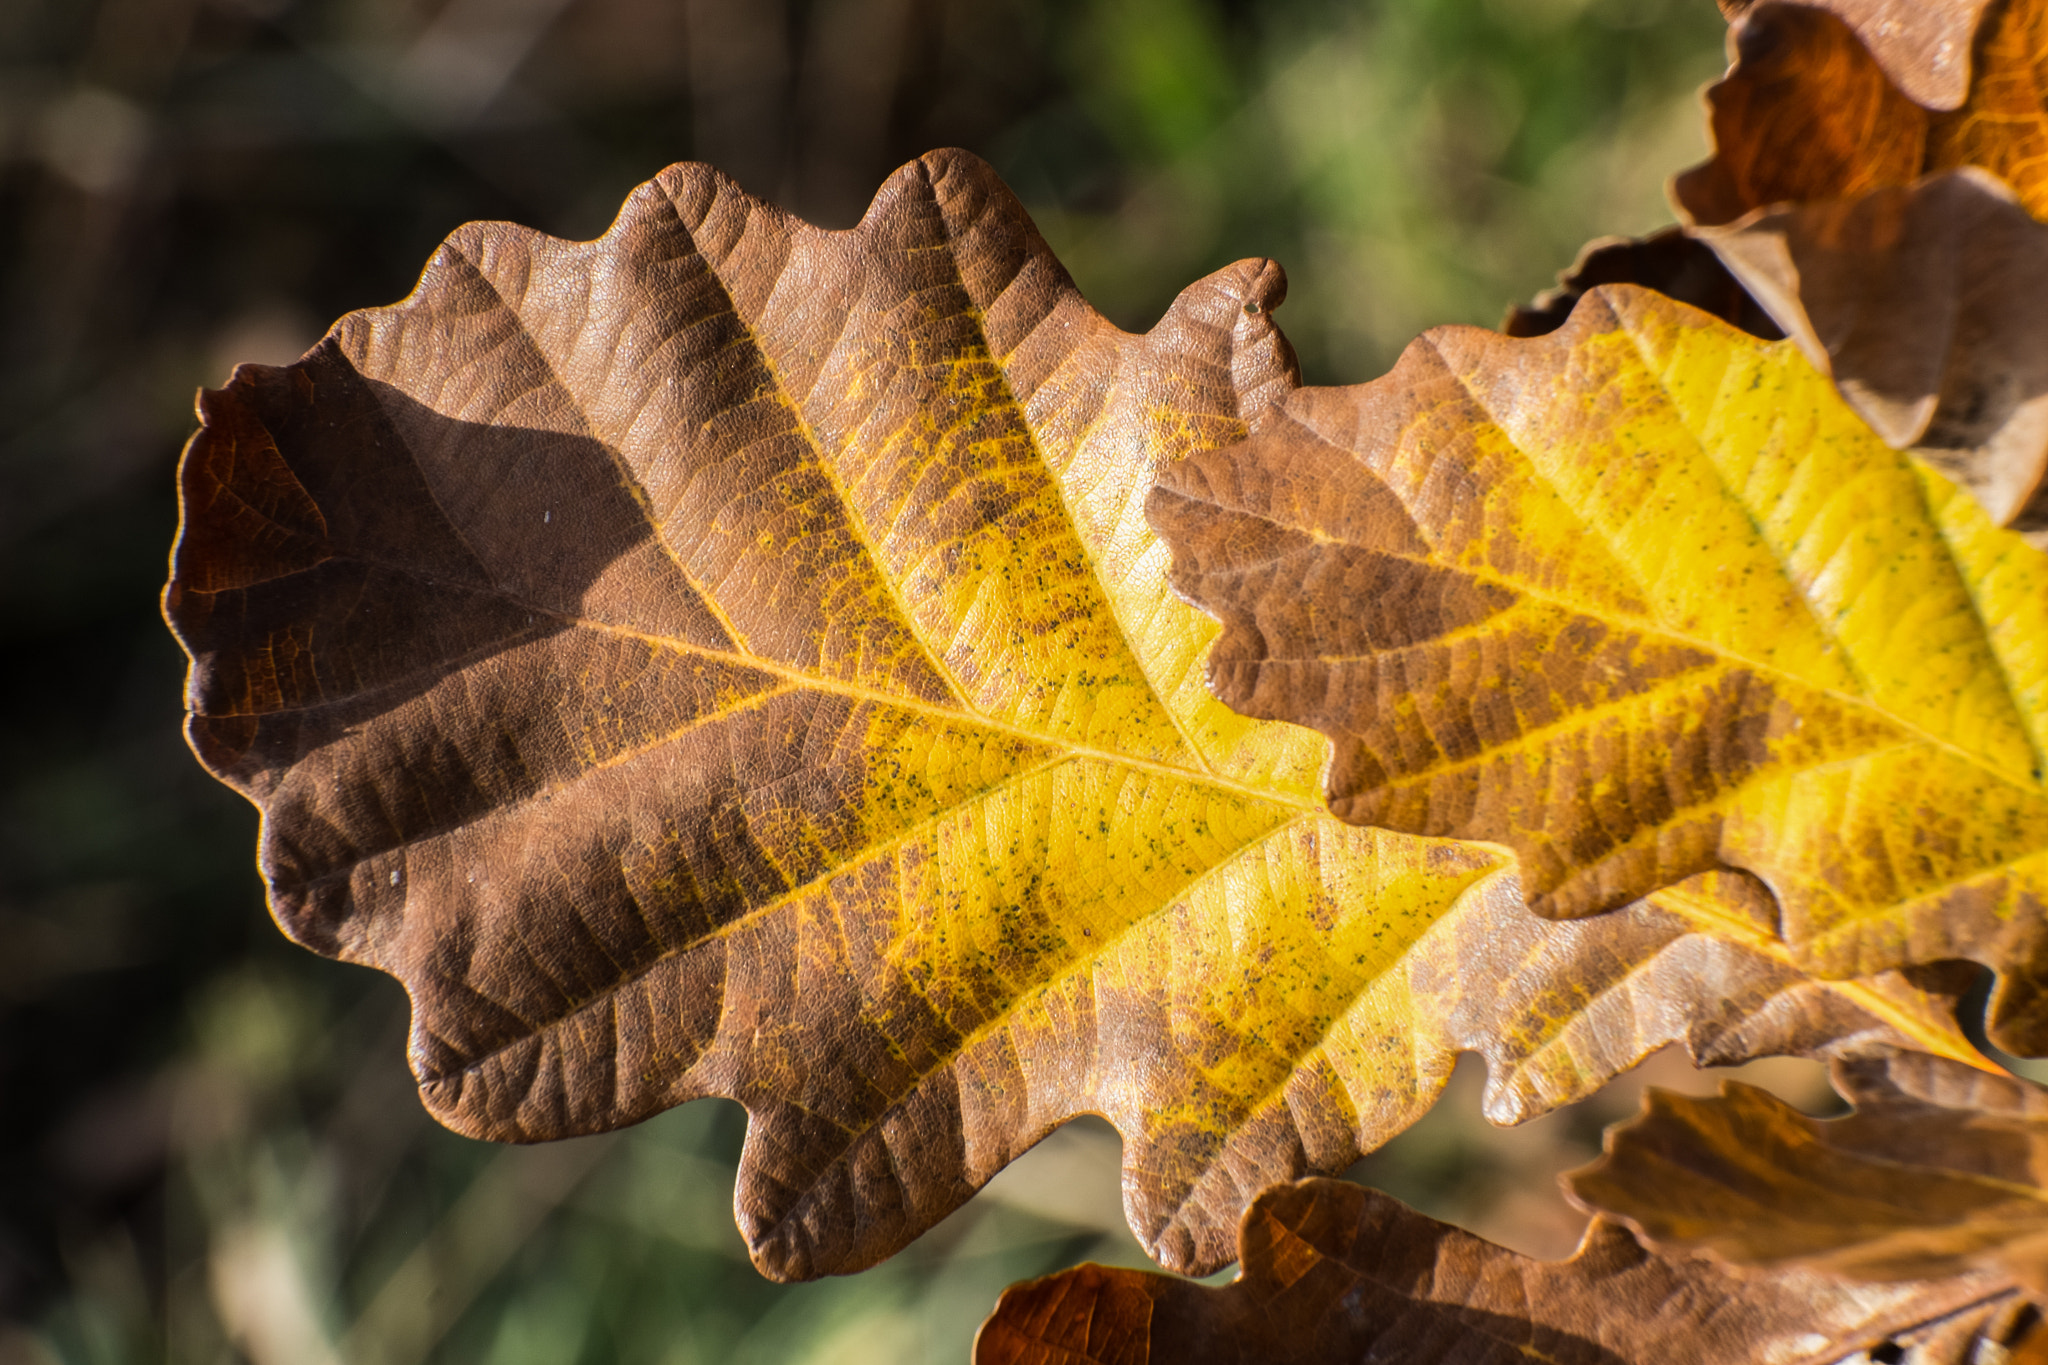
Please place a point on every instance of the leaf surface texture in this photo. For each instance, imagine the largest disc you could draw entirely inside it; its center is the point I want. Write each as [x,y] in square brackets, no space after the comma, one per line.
[1884,236]
[1920,301]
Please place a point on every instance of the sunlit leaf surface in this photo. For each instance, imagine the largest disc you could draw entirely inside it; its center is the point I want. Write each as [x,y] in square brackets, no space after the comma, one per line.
[1920,301]
[1893,241]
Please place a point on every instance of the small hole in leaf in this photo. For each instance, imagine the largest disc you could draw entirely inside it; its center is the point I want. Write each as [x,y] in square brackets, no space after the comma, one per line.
[1252,306]
[1973,1011]
[1501,1182]
[1890,1353]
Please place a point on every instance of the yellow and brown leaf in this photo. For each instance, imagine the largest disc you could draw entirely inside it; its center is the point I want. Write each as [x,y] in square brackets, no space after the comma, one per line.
[730,658]
[1870,214]
[1921,302]
[1639,599]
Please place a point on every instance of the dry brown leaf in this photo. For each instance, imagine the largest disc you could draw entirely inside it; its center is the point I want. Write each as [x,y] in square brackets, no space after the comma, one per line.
[1806,113]
[1923,45]
[1672,262]
[1334,1274]
[728,658]
[1940,1170]
[1923,302]
[1641,598]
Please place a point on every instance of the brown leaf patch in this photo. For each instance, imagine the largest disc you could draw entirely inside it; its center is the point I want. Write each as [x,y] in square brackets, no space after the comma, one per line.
[1923,45]
[1672,262]
[1337,1273]
[1939,1171]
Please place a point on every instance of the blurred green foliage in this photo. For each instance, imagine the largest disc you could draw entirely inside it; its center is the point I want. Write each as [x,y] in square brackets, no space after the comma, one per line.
[1410,164]
[213,1152]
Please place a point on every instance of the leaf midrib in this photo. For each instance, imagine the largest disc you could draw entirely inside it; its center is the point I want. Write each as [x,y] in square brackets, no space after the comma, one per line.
[899,840]
[743,656]
[789,673]
[1065,751]
[1005,1015]
[858,692]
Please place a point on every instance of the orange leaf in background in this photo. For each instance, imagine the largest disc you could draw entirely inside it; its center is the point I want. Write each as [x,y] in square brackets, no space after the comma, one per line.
[1807,113]
[1923,45]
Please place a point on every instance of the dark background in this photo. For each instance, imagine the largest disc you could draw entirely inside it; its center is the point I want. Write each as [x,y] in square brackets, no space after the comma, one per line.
[211,1151]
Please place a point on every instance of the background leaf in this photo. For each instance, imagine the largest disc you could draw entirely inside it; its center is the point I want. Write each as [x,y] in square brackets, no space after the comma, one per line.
[1640,598]
[1807,113]
[1913,299]
[1923,45]
[1879,233]
[1673,262]
[1937,1172]
[1333,1272]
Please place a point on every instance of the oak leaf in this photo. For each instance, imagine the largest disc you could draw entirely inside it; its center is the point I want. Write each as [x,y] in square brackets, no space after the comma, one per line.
[1923,45]
[1334,1273]
[729,658]
[1940,1170]
[1806,113]
[1880,235]
[1673,262]
[1638,599]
